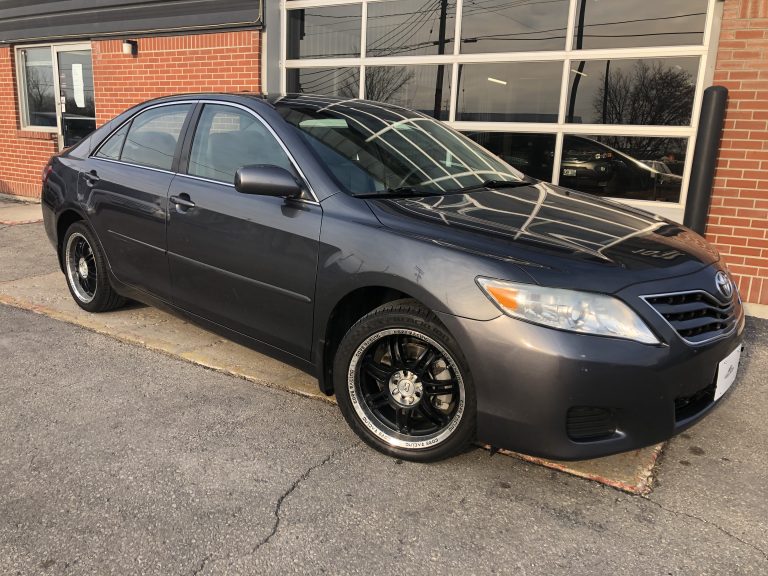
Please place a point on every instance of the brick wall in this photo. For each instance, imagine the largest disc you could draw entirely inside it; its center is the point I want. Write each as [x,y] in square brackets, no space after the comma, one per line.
[22,153]
[227,61]
[738,220]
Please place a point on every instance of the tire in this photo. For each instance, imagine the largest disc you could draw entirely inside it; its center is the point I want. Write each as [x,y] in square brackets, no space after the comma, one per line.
[403,384]
[85,269]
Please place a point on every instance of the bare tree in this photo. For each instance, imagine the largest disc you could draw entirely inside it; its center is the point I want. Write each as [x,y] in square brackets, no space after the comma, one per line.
[39,92]
[381,83]
[647,95]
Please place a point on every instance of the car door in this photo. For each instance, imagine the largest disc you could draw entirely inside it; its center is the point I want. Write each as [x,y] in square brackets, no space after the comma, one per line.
[246,262]
[125,186]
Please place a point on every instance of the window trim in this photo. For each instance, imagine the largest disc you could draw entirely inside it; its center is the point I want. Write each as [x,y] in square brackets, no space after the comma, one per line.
[21,82]
[21,89]
[704,52]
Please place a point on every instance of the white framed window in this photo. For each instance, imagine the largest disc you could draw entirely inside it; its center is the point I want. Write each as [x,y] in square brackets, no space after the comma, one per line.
[601,96]
[56,90]
[35,76]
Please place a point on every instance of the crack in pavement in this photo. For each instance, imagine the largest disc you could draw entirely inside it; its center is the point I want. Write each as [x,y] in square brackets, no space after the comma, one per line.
[757,549]
[291,489]
[201,565]
[207,560]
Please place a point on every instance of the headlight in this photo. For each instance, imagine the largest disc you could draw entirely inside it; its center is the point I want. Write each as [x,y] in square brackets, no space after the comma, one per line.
[583,312]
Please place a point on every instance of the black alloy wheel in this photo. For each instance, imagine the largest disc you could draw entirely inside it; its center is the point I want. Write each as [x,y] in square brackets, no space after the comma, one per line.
[403,385]
[86,271]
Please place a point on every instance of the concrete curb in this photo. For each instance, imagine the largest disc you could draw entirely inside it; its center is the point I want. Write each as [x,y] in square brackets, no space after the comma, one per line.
[19,222]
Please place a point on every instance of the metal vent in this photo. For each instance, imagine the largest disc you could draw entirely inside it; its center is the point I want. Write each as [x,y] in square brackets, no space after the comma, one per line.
[586,423]
[697,316]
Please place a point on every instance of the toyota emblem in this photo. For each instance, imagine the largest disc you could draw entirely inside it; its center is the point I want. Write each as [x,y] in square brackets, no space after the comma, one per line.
[724,285]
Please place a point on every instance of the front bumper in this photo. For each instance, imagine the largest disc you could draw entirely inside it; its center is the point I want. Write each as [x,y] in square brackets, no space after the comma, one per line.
[532,381]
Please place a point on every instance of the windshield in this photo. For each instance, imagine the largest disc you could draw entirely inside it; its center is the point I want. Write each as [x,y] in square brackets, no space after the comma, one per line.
[372,148]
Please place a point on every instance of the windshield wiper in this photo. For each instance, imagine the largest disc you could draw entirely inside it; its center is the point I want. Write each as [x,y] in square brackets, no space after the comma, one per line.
[495,184]
[402,191]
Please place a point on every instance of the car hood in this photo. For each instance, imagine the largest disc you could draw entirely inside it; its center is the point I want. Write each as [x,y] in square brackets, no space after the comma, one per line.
[559,236]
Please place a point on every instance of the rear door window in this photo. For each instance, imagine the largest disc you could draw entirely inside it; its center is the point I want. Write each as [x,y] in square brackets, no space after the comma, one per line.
[153,136]
[112,148]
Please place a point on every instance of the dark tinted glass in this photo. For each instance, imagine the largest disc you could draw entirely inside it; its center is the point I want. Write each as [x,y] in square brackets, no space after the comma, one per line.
[330,81]
[153,136]
[410,28]
[626,23]
[504,26]
[76,83]
[371,148]
[624,166]
[423,88]
[328,32]
[227,139]
[509,92]
[532,154]
[38,84]
[646,92]
[114,145]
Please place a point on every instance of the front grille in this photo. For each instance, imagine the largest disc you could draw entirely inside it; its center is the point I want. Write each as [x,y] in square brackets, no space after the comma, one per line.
[586,423]
[687,406]
[696,316]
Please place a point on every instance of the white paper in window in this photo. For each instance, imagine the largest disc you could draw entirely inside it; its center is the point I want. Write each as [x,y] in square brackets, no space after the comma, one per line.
[77,85]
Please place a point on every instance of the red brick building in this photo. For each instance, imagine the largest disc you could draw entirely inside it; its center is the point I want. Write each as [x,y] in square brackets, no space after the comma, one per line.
[582,62]
[738,216]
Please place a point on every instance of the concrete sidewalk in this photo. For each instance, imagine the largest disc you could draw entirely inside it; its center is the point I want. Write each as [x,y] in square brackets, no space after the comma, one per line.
[18,212]
[43,290]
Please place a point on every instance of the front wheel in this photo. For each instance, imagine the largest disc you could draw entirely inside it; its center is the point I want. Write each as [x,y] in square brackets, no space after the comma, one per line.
[86,270]
[403,385]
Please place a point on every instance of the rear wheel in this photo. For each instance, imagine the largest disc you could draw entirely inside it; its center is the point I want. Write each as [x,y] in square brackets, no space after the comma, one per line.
[403,385]
[86,270]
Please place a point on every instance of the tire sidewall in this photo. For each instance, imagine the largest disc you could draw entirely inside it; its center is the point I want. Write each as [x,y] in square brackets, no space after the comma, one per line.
[103,289]
[416,319]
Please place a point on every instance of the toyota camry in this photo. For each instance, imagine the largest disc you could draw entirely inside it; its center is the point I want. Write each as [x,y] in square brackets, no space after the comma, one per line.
[441,295]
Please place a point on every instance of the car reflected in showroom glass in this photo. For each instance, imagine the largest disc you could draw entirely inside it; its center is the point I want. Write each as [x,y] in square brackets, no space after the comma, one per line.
[443,296]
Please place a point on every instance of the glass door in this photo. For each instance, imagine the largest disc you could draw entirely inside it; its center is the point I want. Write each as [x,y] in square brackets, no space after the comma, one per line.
[75,106]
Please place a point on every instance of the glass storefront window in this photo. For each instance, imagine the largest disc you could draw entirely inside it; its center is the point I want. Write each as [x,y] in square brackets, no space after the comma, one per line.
[641,92]
[626,167]
[509,92]
[423,88]
[506,71]
[38,93]
[332,32]
[504,26]
[344,82]
[532,154]
[408,28]
[631,23]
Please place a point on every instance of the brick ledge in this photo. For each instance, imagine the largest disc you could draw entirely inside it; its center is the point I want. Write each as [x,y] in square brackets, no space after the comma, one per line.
[35,135]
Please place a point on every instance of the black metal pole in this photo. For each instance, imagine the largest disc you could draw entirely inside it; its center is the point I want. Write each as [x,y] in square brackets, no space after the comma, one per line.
[605,90]
[580,69]
[440,50]
[705,157]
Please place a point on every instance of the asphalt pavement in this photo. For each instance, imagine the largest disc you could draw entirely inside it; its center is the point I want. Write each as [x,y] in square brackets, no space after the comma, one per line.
[115,459]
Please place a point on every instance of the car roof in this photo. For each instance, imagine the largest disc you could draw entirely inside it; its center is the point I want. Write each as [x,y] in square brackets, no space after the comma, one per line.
[311,101]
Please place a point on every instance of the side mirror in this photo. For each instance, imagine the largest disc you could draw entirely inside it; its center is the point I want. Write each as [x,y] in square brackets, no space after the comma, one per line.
[267,180]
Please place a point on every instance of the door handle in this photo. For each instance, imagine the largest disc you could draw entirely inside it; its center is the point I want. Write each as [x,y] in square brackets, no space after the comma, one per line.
[91,177]
[182,200]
